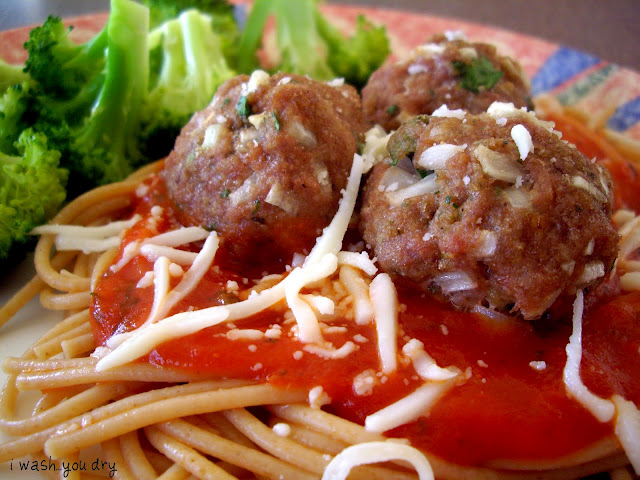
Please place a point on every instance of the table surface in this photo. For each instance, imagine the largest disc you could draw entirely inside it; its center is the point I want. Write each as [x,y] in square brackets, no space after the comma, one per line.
[607,29]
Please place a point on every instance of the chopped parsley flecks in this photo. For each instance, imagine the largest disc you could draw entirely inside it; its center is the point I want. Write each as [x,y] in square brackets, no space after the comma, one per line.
[480,73]
[243,107]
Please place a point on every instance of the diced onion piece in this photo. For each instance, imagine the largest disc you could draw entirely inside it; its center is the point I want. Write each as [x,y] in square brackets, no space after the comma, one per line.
[397,177]
[244,192]
[436,156]
[498,165]
[280,198]
[469,53]
[591,271]
[579,182]
[212,135]
[427,50]
[257,119]
[488,243]
[302,134]
[423,187]
[450,282]
[248,135]
[630,281]
[257,78]
[517,197]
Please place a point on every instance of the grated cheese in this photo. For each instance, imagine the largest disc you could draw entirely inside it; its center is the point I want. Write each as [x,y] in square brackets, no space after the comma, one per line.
[76,231]
[321,262]
[374,452]
[628,430]
[407,409]
[600,408]
[282,429]
[385,305]
[425,365]
[163,300]
[318,397]
[154,252]
[358,260]
[523,140]
[330,353]
[359,291]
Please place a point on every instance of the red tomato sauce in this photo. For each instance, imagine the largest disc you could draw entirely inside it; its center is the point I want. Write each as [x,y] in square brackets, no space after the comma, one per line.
[624,173]
[504,409]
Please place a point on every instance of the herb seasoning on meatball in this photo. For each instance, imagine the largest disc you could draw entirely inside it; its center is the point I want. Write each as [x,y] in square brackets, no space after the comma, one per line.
[447,70]
[492,210]
[264,164]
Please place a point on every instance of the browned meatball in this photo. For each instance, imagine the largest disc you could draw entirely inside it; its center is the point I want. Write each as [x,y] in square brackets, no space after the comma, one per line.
[508,216]
[454,72]
[265,162]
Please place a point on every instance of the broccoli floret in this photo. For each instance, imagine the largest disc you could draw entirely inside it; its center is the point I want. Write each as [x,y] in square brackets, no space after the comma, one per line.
[221,12]
[61,67]
[86,98]
[309,45]
[11,75]
[163,10]
[356,57]
[32,188]
[14,104]
[188,65]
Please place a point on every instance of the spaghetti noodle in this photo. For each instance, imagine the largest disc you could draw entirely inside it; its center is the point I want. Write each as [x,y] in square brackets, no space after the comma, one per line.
[155,420]
[234,394]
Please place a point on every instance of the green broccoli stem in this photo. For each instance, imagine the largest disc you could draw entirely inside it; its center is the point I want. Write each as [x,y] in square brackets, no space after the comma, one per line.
[252,35]
[115,115]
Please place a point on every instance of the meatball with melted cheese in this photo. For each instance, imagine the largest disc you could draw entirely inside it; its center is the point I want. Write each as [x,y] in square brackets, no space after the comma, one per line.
[264,164]
[447,70]
[492,211]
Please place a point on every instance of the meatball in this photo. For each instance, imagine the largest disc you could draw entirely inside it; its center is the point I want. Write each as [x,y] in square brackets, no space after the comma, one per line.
[265,162]
[448,70]
[492,210]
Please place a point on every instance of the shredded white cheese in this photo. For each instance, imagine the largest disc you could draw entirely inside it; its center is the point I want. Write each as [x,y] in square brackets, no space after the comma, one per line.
[424,364]
[523,140]
[628,430]
[407,409]
[358,260]
[385,305]
[321,262]
[602,409]
[318,397]
[359,291]
[282,429]
[374,452]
